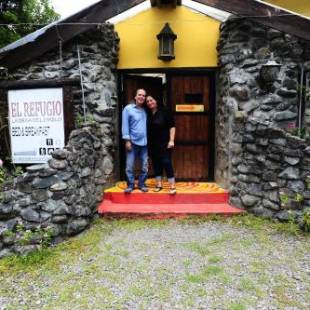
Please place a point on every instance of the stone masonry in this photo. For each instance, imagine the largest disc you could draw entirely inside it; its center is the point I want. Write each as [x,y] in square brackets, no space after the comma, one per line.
[266,168]
[52,201]
[245,89]
[270,170]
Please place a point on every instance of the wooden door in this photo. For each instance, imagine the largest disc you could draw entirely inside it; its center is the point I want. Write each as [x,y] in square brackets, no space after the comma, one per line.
[190,101]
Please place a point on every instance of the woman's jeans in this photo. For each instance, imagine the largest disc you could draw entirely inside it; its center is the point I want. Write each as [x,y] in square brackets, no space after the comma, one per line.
[140,152]
[163,162]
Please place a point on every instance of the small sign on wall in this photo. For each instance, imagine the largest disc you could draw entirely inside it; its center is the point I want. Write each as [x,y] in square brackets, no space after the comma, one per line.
[189,108]
[36,118]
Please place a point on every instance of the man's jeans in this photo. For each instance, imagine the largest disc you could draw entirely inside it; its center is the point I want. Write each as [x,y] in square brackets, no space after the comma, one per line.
[140,152]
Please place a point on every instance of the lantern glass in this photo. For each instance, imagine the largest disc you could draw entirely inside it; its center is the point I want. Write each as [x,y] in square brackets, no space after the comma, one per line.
[167,46]
[166,43]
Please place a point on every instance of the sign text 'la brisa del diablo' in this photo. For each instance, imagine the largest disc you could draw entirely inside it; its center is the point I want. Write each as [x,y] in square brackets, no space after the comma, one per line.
[36,124]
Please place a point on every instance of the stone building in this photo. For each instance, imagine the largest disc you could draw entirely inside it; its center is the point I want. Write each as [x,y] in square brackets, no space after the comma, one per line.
[238,82]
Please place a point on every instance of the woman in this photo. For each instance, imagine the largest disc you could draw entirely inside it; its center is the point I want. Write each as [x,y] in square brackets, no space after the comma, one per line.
[161,133]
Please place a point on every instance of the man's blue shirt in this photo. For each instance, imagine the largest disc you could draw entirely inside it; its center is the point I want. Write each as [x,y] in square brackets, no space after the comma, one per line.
[134,124]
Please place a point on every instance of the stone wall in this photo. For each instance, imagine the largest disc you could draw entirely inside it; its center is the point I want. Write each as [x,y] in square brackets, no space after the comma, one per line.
[59,199]
[244,47]
[54,200]
[99,55]
[270,170]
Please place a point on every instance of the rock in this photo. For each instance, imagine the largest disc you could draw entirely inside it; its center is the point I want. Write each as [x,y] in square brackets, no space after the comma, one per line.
[59,219]
[11,195]
[48,171]
[296,186]
[43,183]
[44,216]
[250,105]
[284,116]
[290,173]
[60,186]
[36,168]
[40,195]
[65,175]
[6,211]
[283,216]
[81,211]
[76,226]
[86,172]
[289,93]
[272,196]
[261,211]
[63,209]
[6,252]
[236,202]
[249,200]
[247,138]
[279,141]
[271,99]
[59,154]
[238,76]
[240,92]
[270,205]
[58,164]
[291,160]
[30,215]
[70,200]
[107,165]
[248,178]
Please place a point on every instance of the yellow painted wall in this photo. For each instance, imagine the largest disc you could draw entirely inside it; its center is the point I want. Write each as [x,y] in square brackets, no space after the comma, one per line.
[298,6]
[195,46]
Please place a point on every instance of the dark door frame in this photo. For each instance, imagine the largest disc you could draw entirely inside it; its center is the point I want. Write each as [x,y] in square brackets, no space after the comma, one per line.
[211,72]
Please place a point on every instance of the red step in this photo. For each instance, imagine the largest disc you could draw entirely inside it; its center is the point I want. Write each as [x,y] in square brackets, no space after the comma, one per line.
[165,198]
[107,207]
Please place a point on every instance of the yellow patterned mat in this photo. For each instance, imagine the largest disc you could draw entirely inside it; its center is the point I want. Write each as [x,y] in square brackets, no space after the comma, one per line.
[182,187]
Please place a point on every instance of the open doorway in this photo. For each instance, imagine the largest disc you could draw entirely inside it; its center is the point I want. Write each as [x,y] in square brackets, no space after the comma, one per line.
[191,97]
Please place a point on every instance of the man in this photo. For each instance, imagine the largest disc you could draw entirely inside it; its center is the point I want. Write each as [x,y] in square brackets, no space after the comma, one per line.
[135,136]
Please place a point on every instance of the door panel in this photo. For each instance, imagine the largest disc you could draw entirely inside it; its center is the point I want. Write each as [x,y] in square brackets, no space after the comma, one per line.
[192,152]
[192,128]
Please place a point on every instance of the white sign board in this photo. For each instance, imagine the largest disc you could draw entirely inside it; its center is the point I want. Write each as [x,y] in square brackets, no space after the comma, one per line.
[36,120]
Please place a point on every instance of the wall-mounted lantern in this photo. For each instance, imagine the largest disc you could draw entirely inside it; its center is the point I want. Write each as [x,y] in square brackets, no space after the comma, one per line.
[269,72]
[166,43]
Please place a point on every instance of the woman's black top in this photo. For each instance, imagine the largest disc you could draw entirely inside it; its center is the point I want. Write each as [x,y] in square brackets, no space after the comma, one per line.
[159,125]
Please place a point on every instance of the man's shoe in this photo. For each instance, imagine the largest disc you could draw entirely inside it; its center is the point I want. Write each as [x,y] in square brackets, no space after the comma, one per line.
[128,190]
[144,189]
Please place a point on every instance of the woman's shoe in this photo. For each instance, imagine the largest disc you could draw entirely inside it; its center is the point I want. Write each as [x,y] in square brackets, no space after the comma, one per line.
[157,189]
[172,191]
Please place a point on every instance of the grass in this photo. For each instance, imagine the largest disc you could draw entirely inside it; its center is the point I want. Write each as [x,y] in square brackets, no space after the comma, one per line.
[201,249]
[205,274]
[82,270]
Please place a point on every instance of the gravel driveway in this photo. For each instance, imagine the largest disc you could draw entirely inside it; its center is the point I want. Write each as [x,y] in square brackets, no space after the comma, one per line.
[165,265]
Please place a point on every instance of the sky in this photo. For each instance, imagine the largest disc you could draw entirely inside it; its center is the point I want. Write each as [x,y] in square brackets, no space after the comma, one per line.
[68,7]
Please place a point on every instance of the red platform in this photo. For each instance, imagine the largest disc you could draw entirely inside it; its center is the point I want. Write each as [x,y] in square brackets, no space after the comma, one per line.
[201,199]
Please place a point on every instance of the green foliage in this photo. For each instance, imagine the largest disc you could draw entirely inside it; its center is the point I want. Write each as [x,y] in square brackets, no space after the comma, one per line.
[23,12]
[2,176]
[80,121]
[18,171]
[284,198]
[306,220]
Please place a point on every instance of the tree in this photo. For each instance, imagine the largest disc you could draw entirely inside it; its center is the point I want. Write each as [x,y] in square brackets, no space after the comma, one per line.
[29,14]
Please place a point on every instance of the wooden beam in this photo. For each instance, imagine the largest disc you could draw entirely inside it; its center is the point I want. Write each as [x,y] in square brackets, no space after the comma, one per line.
[160,3]
[65,31]
[26,84]
[264,14]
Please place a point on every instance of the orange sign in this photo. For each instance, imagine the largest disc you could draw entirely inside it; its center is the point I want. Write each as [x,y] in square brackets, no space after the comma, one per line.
[189,108]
